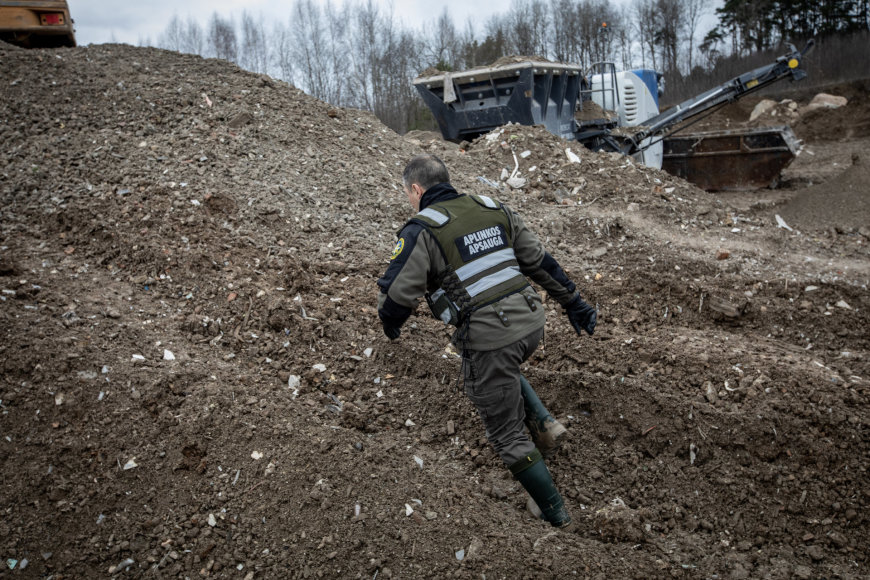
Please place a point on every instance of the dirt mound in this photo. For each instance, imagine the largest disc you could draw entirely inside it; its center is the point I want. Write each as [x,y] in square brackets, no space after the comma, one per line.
[194,380]
[842,202]
[517,58]
[847,122]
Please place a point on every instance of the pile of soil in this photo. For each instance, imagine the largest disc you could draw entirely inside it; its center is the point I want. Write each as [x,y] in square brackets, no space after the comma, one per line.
[195,383]
[849,122]
[842,202]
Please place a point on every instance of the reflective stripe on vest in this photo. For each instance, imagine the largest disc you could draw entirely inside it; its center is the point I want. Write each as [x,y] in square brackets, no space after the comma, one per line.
[434,215]
[488,202]
[485,263]
[477,246]
[492,280]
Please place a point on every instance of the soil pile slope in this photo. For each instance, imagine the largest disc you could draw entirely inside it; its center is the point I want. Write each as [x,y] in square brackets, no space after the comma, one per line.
[195,383]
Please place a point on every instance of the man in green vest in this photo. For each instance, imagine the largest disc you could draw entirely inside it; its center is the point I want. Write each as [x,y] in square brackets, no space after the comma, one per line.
[471,257]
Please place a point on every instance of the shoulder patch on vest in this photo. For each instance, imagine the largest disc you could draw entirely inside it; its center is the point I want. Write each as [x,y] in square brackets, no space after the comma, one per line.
[400,245]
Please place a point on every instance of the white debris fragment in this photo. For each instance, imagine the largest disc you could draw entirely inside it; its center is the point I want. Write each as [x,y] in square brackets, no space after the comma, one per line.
[460,554]
[368,352]
[270,469]
[572,157]
[516,182]
[408,509]
[211,520]
[58,399]
[826,101]
[764,106]
[168,355]
[811,288]
[842,304]
[525,154]
[693,453]
[781,223]
[293,382]
[320,367]
[409,423]
[256,455]
[131,464]
[137,358]
[493,136]
[419,461]
[379,394]
[122,565]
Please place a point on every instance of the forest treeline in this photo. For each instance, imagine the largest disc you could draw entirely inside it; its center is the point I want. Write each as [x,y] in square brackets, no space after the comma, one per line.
[357,54]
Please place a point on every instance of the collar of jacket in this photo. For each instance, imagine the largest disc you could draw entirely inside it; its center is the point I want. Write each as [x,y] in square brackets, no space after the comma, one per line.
[436,193]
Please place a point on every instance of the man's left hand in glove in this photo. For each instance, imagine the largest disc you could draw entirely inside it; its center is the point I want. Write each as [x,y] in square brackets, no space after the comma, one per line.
[392,332]
[581,315]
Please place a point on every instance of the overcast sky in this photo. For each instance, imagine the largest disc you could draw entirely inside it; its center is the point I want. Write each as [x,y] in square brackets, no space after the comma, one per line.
[99,21]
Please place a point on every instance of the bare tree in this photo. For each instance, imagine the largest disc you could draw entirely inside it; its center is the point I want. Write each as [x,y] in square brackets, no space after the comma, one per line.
[564,37]
[193,41]
[606,29]
[442,46]
[695,10]
[337,22]
[624,37]
[528,27]
[467,42]
[254,54]
[365,41]
[222,42]
[310,48]
[646,28]
[282,51]
[173,37]
[669,25]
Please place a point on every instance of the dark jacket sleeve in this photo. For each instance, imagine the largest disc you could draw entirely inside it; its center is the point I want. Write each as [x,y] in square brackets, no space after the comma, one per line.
[404,282]
[538,265]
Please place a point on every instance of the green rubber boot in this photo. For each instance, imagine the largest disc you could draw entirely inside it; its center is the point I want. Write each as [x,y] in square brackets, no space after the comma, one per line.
[547,433]
[532,473]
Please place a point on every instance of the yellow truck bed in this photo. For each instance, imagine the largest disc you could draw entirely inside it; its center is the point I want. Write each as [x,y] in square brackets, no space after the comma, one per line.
[36,23]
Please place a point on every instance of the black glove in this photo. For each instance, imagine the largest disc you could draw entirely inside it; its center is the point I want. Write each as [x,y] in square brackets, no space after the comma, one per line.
[392,332]
[581,315]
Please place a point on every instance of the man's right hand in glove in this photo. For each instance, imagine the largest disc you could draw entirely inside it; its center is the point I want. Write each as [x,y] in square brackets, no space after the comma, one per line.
[392,332]
[581,315]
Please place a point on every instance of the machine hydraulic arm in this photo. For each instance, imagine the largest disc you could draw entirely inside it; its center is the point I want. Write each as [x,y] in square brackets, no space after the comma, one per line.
[666,123]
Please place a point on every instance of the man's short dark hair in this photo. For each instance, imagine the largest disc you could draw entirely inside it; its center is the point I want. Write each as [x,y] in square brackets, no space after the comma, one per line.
[425,170]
